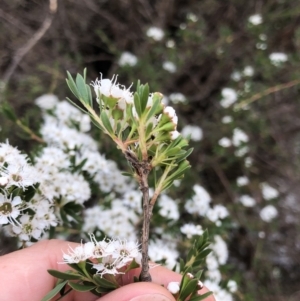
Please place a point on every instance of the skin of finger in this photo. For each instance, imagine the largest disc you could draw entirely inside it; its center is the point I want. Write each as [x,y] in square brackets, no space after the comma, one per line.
[127,292]
[24,276]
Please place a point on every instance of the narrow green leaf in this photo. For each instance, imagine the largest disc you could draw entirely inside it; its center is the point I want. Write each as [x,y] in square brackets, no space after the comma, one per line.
[137,104]
[81,88]
[75,105]
[155,106]
[71,84]
[106,123]
[104,283]
[144,95]
[81,287]
[68,275]
[201,297]
[188,289]
[55,291]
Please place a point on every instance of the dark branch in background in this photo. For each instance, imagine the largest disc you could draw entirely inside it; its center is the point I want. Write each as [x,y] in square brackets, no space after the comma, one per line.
[22,51]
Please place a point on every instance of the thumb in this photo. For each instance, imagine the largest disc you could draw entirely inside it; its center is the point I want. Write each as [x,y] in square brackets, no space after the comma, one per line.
[142,291]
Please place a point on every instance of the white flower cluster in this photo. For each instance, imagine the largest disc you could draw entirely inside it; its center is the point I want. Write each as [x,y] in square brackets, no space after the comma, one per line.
[128,59]
[107,256]
[200,204]
[229,97]
[239,138]
[278,58]
[193,132]
[25,219]
[119,98]
[214,260]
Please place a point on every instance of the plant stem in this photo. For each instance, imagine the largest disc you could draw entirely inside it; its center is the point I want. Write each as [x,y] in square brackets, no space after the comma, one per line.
[142,170]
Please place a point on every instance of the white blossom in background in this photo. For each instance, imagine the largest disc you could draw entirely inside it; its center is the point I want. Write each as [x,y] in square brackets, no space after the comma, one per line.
[169,66]
[217,213]
[177,98]
[277,58]
[47,101]
[268,191]
[268,213]
[219,293]
[191,229]
[261,46]
[199,203]
[255,19]
[225,142]
[248,162]
[232,286]
[242,181]
[247,200]
[236,76]
[239,137]
[164,249]
[168,208]
[155,33]
[229,97]
[241,152]
[127,59]
[248,71]
[193,132]
[227,119]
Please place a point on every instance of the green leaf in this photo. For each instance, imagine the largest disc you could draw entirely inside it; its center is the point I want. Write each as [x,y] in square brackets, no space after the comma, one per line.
[81,88]
[75,105]
[144,95]
[8,111]
[72,86]
[137,104]
[55,291]
[81,287]
[201,297]
[68,275]
[189,288]
[104,283]
[106,123]
[156,107]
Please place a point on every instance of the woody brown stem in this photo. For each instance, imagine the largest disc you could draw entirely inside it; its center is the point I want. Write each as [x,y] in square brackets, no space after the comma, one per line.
[142,170]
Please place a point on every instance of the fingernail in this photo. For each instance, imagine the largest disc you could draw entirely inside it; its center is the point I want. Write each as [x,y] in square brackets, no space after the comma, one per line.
[151,297]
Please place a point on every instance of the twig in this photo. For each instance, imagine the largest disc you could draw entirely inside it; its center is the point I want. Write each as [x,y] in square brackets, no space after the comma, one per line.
[265,93]
[142,170]
[21,52]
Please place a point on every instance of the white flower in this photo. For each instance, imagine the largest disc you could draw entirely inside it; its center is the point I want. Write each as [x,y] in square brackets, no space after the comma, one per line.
[227,119]
[126,251]
[219,248]
[241,152]
[127,58]
[268,191]
[9,209]
[268,213]
[155,33]
[248,162]
[173,287]
[177,98]
[255,19]
[224,142]
[239,137]
[248,71]
[277,58]
[199,203]
[193,132]
[229,97]
[47,101]
[174,135]
[232,286]
[110,88]
[242,181]
[236,76]
[169,66]
[247,201]
[190,229]
[79,253]
[168,208]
